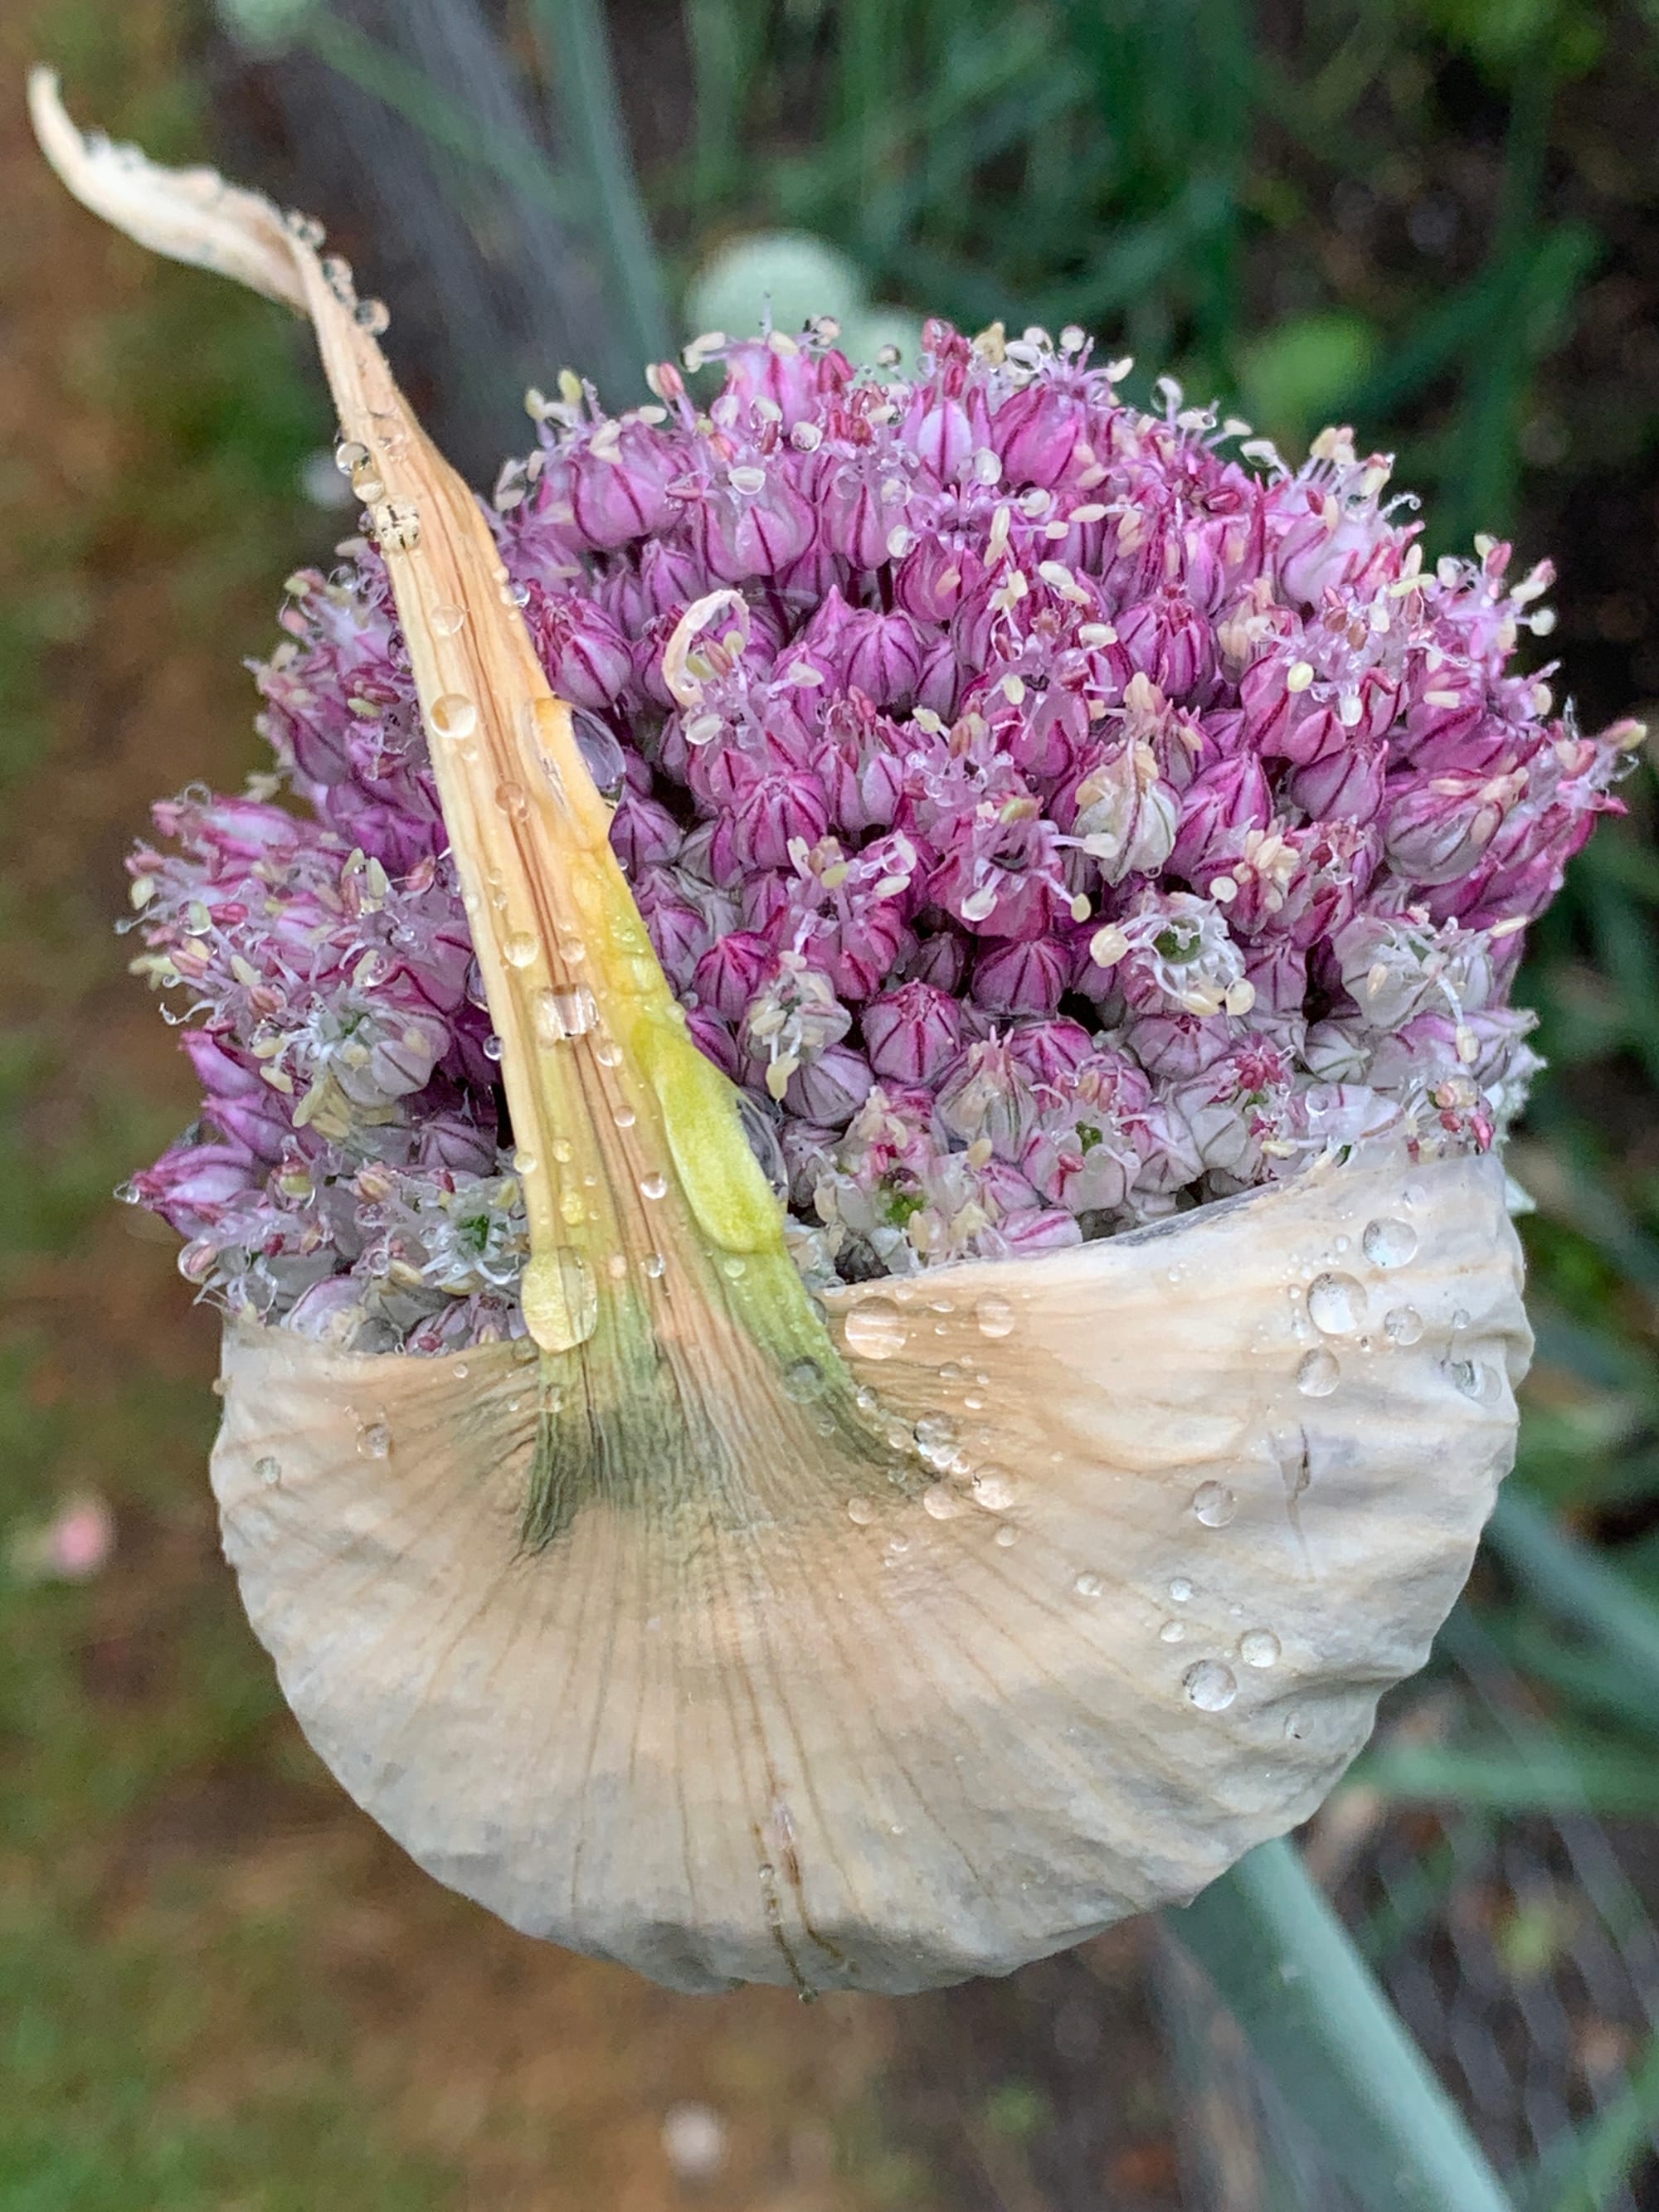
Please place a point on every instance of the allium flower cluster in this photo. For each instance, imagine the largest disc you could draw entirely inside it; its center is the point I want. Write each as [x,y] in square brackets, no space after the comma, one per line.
[1053,815]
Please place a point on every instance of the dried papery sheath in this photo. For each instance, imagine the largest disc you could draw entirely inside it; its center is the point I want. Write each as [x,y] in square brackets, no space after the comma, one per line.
[848,1141]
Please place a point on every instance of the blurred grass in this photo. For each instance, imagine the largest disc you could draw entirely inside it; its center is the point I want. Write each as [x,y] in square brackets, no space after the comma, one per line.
[1429,217]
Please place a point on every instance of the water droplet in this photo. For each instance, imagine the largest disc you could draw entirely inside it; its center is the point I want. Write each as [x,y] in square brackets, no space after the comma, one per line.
[733,1267]
[563,1151]
[1476,1379]
[1389,1244]
[655,1266]
[447,619]
[520,948]
[396,525]
[861,1510]
[600,750]
[804,1379]
[1318,1374]
[1404,1325]
[875,1329]
[269,1470]
[607,1051]
[1089,1585]
[460,1370]
[1173,1631]
[375,1441]
[995,1317]
[1210,1686]
[654,1185]
[616,1266]
[937,1440]
[561,1299]
[493,1047]
[1214,1505]
[1460,1317]
[1259,1647]
[372,316]
[1336,1304]
[941,1502]
[1294,1727]
[624,1117]
[350,455]
[369,484]
[1180,1590]
[994,1489]
[452,715]
[561,1015]
[512,800]
[1007,1538]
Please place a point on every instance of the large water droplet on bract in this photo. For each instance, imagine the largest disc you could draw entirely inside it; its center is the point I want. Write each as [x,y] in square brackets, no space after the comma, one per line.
[1389,1244]
[995,1317]
[875,1329]
[1336,1304]
[561,1299]
[1173,1631]
[1318,1374]
[1474,1378]
[937,1440]
[1403,1325]
[1210,1686]
[1259,1647]
[520,948]
[446,619]
[453,716]
[561,1015]
[1214,1505]
[994,1489]
[1089,1585]
[1180,1590]
[599,749]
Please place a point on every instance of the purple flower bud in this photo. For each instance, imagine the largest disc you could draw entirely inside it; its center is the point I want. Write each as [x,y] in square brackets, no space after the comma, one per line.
[771,811]
[714,1040]
[615,482]
[1028,1235]
[1436,830]
[644,834]
[1025,977]
[987,1094]
[1050,1052]
[912,1033]
[1219,805]
[587,659]
[193,1187]
[1346,786]
[731,972]
[795,377]
[1036,433]
[830,1087]
[754,524]
[858,519]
